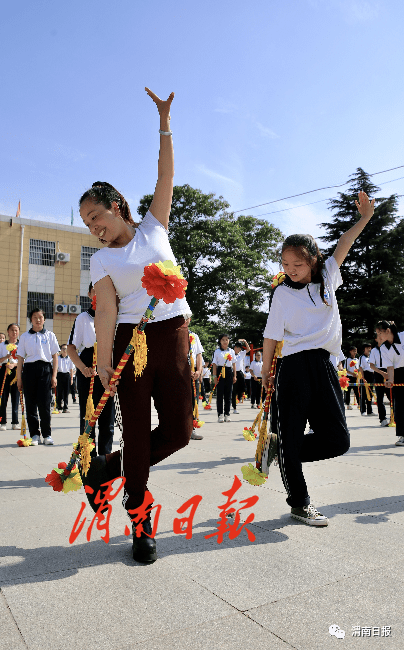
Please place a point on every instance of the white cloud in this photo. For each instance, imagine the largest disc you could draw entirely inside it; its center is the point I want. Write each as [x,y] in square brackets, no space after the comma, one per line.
[225,107]
[219,177]
[265,131]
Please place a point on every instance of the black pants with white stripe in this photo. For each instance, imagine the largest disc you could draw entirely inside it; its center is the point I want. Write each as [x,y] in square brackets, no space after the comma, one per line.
[308,390]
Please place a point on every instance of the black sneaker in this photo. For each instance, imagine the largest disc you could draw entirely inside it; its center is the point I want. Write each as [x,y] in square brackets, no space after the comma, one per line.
[309,515]
[144,547]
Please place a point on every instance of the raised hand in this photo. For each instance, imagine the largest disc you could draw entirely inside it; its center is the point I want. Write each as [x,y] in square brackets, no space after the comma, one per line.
[365,207]
[163,106]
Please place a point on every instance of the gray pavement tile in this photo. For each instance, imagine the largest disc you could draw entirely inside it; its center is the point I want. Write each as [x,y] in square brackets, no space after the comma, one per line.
[110,606]
[10,637]
[373,599]
[235,632]
[273,567]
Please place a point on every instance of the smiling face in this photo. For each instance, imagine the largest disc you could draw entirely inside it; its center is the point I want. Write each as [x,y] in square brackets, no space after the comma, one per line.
[104,223]
[224,342]
[296,267]
[258,356]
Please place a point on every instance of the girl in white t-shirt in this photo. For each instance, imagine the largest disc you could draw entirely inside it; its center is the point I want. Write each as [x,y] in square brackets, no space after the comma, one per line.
[224,357]
[304,314]
[392,343]
[117,270]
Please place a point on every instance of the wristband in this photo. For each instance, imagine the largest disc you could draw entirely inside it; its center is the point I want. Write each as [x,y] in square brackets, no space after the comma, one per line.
[165,132]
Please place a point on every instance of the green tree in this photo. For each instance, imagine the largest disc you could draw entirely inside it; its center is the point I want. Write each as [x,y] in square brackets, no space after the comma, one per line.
[373,271]
[223,257]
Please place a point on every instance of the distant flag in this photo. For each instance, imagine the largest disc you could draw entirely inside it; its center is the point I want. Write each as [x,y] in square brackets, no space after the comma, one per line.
[18,210]
[72,217]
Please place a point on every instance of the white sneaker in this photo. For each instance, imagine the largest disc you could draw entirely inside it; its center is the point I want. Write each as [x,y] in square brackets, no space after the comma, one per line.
[384,423]
[400,442]
[349,407]
[15,426]
[236,412]
[48,441]
[227,418]
[35,440]
[309,515]
[3,427]
[220,418]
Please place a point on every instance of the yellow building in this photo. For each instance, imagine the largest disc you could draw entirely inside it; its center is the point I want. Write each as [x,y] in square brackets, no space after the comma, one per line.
[44,265]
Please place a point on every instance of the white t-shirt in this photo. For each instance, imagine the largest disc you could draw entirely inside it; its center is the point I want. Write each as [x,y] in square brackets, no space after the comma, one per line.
[196,346]
[219,360]
[206,373]
[391,356]
[240,360]
[83,332]
[256,367]
[37,346]
[247,375]
[125,267]
[299,317]
[351,365]
[4,352]
[65,364]
[364,363]
[336,359]
[376,357]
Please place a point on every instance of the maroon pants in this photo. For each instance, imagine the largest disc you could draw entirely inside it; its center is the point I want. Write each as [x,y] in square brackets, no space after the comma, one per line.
[166,378]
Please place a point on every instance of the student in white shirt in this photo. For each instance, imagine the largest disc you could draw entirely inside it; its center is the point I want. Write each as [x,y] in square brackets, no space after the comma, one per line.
[364,365]
[195,350]
[247,379]
[304,314]
[225,385]
[206,374]
[118,269]
[256,381]
[350,365]
[64,380]
[8,363]
[393,352]
[241,348]
[37,368]
[378,366]
[80,348]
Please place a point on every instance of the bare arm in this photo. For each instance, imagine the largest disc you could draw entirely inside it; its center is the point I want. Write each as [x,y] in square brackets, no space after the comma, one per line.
[214,370]
[55,358]
[390,376]
[72,352]
[104,322]
[19,372]
[234,373]
[268,354]
[365,209]
[161,205]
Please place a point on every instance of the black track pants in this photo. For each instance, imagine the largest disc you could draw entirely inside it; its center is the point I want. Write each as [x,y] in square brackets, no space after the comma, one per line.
[308,390]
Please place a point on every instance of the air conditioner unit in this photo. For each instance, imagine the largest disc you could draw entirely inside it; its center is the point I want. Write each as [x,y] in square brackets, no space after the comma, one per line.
[61,309]
[74,309]
[62,257]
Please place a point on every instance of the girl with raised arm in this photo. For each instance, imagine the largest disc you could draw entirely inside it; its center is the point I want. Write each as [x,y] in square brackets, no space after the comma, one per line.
[117,269]
[304,314]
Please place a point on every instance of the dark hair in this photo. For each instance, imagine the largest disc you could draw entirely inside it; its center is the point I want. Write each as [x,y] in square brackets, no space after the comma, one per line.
[219,339]
[306,247]
[388,324]
[101,192]
[11,325]
[34,311]
[353,347]
[367,345]
[90,286]
[238,345]
[257,352]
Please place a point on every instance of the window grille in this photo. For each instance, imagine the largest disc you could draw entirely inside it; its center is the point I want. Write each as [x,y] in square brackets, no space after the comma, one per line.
[86,252]
[42,252]
[42,300]
[85,303]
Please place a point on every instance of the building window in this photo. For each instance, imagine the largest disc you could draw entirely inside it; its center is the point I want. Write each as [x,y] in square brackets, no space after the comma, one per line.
[85,303]
[42,252]
[86,252]
[42,300]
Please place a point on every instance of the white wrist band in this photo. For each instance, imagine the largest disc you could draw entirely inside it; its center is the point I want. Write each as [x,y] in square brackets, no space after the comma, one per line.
[165,132]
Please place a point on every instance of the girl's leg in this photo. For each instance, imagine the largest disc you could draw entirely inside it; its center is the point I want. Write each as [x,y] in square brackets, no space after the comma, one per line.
[15,400]
[4,397]
[398,401]
[219,393]
[228,388]
[30,384]
[44,398]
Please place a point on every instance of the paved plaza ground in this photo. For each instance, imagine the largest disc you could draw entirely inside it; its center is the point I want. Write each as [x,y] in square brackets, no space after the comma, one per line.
[283,591]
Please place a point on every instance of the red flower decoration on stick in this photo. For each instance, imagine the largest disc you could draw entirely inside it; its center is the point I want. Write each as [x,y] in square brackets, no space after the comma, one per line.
[164,281]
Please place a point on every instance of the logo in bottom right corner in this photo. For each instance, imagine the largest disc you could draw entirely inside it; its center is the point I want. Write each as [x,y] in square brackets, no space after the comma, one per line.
[359,631]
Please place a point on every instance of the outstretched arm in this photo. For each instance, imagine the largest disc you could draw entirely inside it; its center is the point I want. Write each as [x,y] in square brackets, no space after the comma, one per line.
[365,209]
[163,194]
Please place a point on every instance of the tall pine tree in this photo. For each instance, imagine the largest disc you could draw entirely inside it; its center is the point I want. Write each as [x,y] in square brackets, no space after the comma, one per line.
[373,271]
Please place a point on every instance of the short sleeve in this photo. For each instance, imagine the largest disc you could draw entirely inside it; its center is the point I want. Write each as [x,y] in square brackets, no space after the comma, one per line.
[388,355]
[215,358]
[97,270]
[275,327]
[332,271]
[53,344]
[76,335]
[199,348]
[21,351]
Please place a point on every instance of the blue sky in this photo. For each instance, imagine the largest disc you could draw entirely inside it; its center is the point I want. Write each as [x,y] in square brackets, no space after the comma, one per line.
[273,98]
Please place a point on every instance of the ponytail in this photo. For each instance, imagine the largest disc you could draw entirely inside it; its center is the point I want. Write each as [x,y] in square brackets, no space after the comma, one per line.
[101,192]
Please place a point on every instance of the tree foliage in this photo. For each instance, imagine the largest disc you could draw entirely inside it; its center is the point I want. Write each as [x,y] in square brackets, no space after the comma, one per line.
[373,271]
[225,260]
